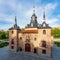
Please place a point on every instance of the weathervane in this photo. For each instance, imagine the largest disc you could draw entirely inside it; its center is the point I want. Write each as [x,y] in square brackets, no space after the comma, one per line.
[33,9]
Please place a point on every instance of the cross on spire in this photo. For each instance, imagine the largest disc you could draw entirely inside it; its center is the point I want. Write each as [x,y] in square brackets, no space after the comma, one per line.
[33,9]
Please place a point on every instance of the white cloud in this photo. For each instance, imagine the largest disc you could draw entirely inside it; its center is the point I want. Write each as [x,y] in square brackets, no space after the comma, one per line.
[49,8]
[12,4]
[52,20]
[7,18]
[5,26]
[24,13]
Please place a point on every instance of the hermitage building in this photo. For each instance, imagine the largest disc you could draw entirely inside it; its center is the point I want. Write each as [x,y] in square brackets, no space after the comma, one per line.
[35,38]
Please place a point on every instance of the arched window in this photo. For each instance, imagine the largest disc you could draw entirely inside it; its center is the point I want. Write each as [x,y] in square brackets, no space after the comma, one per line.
[12,32]
[31,24]
[44,31]
[43,43]
[20,38]
[12,41]
[27,39]
[35,38]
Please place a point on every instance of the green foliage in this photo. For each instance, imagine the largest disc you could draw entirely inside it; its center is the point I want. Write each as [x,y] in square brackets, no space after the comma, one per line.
[57,43]
[7,34]
[4,44]
[4,34]
[56,33]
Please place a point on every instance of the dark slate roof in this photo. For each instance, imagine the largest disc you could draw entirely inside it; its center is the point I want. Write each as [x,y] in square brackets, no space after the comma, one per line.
[15,27]
[33,23]
[40,26]
[44,25]
[34,15]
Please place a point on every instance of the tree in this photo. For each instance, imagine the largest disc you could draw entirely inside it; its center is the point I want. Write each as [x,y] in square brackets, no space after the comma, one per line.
[56,33]
[7,34]
[4,34]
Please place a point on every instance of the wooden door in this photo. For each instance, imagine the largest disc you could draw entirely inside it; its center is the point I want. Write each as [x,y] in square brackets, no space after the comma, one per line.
[27,47]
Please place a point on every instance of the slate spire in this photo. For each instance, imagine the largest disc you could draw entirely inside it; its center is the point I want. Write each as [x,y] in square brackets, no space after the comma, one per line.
[15,21]
[44,15]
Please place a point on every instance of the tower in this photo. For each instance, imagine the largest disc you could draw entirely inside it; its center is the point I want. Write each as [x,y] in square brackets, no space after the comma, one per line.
[13,36]
[33,22]
[46,42]
[35,37]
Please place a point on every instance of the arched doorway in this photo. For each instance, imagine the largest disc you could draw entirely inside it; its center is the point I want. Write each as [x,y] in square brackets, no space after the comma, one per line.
[27,47]
[35,50]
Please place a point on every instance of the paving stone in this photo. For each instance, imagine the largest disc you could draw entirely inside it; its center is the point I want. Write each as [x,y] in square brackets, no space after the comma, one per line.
[5,54]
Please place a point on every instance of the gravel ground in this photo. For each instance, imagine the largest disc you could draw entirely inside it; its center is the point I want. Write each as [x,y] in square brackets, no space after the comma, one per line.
[5,54]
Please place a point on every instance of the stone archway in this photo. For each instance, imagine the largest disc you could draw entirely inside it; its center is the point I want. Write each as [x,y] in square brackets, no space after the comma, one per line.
[27,47]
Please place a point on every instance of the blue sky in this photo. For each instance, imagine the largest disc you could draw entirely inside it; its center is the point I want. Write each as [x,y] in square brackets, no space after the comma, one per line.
[23,9]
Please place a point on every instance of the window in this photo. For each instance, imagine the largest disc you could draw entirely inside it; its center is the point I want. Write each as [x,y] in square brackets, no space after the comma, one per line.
[12,32]
[31,24]
[12,47]
[44,25]
[43,43]
[20,38]
[20,49]
[12,41]
[35,50]
[33,18]
[35,38]
[43,51]
[44,31]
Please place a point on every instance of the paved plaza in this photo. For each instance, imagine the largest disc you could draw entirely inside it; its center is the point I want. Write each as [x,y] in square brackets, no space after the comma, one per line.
[5,54]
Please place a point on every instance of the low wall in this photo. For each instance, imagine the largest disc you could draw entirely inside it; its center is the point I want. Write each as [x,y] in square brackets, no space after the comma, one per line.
[56,39]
